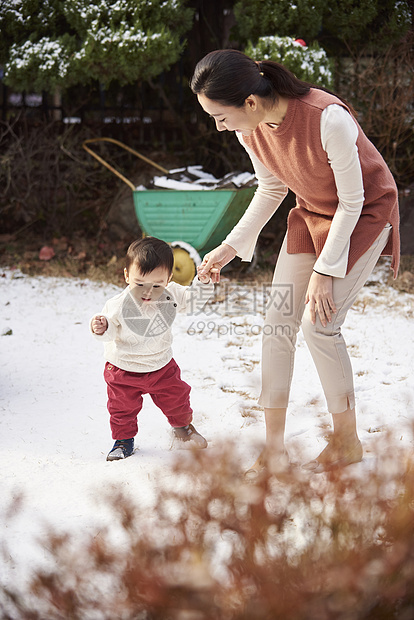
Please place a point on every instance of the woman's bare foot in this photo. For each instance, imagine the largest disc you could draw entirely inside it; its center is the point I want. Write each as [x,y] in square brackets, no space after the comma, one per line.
[339,453]
[275,463]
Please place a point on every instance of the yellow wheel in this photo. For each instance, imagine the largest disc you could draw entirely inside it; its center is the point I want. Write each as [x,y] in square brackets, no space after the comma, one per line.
[184,269]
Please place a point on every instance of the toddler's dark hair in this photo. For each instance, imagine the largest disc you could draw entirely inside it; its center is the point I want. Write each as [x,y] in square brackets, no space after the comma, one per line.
[148,254]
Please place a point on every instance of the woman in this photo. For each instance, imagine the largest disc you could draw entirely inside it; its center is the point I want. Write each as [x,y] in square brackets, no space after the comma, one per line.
[302,137]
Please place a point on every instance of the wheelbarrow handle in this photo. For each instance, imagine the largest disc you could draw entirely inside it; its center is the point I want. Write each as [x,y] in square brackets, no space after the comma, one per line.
[126,148]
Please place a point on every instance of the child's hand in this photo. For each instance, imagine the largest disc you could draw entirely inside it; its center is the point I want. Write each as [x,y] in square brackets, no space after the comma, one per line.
[99,325]
[203,277]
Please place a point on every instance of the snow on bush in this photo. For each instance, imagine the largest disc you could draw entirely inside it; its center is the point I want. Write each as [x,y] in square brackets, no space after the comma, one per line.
[47,59]
[308,63]
[76,41]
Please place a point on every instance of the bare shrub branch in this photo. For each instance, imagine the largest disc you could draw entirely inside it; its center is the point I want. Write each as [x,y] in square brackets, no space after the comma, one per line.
[329,547]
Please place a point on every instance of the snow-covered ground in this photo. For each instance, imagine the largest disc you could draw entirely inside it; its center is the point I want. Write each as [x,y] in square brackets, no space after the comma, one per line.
[54,431]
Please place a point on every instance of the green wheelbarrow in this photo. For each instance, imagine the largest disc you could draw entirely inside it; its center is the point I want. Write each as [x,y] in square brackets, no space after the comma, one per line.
[193,222]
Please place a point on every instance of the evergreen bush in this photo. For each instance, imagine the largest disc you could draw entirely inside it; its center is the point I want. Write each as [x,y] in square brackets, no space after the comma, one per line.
[310,64]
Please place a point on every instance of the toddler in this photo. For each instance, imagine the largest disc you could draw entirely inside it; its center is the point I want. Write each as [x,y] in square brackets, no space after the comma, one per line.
[135,327]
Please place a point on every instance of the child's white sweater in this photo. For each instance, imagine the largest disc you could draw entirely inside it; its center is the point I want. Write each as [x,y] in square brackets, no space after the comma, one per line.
[139,336]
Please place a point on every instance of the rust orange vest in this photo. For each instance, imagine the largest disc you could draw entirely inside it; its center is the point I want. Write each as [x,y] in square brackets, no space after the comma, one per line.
[293,153]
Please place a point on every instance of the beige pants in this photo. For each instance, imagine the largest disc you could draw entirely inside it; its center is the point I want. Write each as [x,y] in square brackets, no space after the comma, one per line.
[285,313]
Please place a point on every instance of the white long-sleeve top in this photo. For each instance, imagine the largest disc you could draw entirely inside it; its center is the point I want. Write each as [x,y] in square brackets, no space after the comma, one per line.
[338,137]
[139,336]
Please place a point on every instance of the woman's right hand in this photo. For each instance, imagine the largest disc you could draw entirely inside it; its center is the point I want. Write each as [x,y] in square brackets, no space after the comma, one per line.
[215,260]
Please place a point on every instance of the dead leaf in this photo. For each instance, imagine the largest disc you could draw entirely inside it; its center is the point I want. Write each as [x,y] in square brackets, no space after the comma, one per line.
[46,253]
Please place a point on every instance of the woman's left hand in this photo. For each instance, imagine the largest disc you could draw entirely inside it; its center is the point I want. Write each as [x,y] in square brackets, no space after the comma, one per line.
[215,260]
[320,298]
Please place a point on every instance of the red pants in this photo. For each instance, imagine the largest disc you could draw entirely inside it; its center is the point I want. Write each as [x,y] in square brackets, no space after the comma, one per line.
[125,389]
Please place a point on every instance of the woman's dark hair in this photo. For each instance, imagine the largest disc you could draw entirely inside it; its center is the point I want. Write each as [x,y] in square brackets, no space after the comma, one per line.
[229,77]
[148,254]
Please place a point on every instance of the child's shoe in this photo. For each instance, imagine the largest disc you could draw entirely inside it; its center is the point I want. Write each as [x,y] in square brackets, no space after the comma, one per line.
[186,437]
[121,449]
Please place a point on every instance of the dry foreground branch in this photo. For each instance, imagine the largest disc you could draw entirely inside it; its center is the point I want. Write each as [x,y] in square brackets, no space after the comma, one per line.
[300,546]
